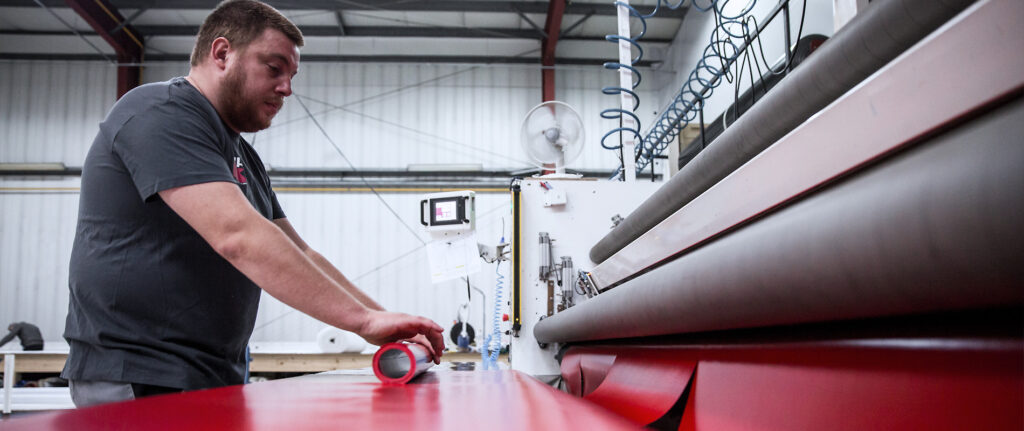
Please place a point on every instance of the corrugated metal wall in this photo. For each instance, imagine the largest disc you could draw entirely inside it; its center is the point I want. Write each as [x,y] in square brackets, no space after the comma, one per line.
[49,111]
[36,231]
[381,256]
[390,115]
[393,115]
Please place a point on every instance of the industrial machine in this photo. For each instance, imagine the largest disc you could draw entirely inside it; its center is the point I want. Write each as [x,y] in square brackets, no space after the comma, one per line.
[847,254]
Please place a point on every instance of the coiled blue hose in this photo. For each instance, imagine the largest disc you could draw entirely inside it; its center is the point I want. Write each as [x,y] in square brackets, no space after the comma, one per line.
[492,343]
[700,84]
[618,113]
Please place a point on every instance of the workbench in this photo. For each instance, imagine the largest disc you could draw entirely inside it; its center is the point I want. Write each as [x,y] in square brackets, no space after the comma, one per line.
[266,358]
[288,357]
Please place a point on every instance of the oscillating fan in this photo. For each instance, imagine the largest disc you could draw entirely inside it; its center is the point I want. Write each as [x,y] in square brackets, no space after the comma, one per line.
[552,136]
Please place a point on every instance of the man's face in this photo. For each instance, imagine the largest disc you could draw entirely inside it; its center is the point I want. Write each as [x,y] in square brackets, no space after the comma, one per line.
[256,84]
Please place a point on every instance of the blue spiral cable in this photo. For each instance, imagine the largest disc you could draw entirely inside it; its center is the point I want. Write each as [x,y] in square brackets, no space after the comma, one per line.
[634,41]
[707,75]
[722,49]
[618,113]
[492,343]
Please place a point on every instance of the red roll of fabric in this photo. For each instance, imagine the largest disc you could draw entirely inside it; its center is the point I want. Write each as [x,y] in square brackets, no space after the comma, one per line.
[398,363]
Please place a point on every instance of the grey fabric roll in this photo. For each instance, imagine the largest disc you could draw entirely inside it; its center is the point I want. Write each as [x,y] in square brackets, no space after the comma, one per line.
[937,227]
[867,43]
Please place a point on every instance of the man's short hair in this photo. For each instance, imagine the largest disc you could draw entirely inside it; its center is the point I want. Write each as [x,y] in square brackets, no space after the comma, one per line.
[241,22]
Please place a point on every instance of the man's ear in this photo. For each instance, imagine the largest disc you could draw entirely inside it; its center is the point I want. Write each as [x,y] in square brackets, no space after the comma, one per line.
[219,52]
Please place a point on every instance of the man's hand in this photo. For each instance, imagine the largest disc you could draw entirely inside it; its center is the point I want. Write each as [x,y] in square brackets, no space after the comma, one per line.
[435,352]
[382,327]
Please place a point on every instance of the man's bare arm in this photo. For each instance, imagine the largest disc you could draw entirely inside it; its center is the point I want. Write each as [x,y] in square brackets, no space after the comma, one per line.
[263,252]
[326,266]
[436,351]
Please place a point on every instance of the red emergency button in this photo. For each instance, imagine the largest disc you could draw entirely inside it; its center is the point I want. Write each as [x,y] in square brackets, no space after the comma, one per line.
[504,317]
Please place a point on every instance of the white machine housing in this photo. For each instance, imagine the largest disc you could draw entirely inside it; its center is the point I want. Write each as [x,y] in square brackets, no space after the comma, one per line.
[574,214]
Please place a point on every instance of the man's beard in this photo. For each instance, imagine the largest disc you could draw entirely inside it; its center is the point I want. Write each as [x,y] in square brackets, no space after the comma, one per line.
[240,111]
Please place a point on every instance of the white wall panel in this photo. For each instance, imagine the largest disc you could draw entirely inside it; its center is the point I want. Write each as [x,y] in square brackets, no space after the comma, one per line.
[353,230]
[50,111]
[36,231]
[381,257]
[394,115]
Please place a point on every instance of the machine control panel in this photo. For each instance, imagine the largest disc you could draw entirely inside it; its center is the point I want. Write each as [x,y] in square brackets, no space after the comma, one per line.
[448,211]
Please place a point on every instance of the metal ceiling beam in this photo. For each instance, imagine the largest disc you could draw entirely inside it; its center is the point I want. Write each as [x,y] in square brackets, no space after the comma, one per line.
[522,15]
[341,23]
[356,31]
[552,29]
[127,42]
[322,174]
[128,20]
[536,7]
[578,23]
[433,59]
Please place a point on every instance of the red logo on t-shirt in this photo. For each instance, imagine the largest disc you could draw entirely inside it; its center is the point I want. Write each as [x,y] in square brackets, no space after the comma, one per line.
[239,170]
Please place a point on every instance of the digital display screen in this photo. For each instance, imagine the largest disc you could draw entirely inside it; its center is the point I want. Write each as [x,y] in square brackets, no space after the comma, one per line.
[445,211]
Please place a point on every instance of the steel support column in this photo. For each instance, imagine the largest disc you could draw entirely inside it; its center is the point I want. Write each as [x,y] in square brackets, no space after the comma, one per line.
[128,43]
[552,29]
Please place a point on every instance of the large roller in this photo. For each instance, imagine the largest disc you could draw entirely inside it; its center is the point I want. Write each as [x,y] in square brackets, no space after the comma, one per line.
[867,43]
[937,227]
[398,363]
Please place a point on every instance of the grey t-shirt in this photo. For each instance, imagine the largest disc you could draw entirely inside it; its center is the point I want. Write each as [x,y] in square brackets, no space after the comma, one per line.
[151,302]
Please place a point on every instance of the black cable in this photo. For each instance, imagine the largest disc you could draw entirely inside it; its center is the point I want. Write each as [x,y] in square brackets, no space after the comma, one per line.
[760,74]
[412,130]
[366,274]
[799,34]
[354,169]
[717,39]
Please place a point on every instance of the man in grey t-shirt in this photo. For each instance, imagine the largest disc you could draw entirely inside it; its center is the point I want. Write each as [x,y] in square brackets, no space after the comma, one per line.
[179,229]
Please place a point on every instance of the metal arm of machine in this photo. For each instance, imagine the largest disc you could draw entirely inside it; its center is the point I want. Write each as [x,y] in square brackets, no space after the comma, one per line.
[874,38]
[922,230]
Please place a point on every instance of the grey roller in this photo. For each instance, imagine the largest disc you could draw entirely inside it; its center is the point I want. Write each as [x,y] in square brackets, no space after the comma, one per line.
[871,40]
[937,227]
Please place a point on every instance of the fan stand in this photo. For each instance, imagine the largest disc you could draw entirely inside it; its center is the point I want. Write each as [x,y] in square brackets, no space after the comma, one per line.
[558,173]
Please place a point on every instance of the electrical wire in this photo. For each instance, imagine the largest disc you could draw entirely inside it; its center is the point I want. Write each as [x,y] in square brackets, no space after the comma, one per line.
[799,34]
[344,107]
[377,96]
[415,131]
[492,343]
[482,216]
[376,6]
[356,170]
[621,113]
[75,31]
[732,36]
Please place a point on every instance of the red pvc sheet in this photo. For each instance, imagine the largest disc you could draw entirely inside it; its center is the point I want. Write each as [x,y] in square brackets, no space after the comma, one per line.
[398,363]
[734,397]
[437,400]
[873,384]
[642,386]
[583,373]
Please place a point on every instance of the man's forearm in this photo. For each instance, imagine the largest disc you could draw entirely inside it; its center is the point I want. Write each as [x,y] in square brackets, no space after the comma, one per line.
[340,278]
[8,338]
[270,259]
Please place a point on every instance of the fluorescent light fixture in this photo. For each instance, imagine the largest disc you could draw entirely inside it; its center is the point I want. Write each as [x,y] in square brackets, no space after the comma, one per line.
[445,167]
[31,167]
